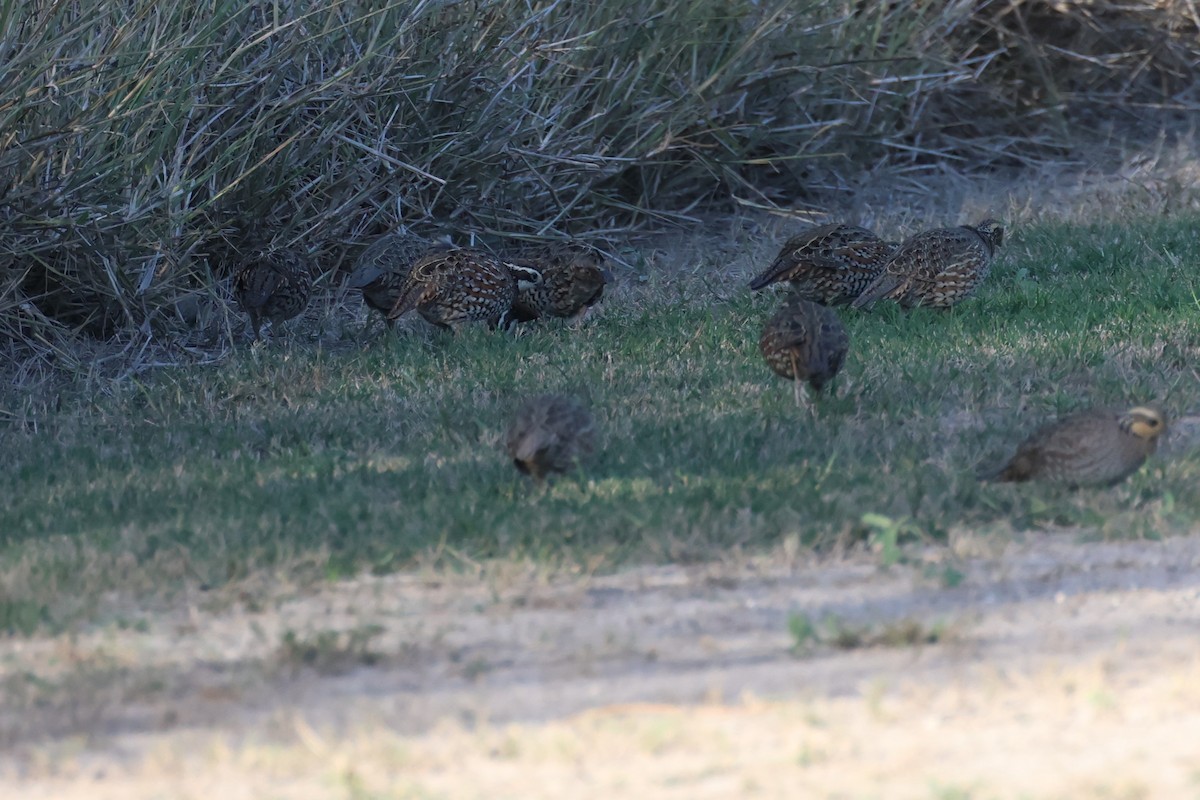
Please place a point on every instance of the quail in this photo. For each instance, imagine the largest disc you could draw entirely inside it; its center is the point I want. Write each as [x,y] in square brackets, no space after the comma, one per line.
[1090,448]
[275,285]
[450,288]
[937,268]
[573,281]
[382,268]
[804,341]
[828,264]
[550,433]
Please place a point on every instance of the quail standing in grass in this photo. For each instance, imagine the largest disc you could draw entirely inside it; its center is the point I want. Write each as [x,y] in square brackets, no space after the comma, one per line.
[828,264]
[383,267]
[274,285]
[451,288]
[1089,448]
[937,268]
[573,281]
[550,433]
[804,341]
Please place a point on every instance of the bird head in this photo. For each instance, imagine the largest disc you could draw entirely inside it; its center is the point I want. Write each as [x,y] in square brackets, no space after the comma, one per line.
[527,276]
[1144,423]
[532,444]
[992,230]
[528,453]
[590,282]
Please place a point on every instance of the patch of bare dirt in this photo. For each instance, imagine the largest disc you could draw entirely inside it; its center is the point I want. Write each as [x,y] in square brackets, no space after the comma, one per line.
[1059,662]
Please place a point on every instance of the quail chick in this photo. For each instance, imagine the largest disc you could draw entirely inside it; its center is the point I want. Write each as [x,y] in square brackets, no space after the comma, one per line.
[937,268]
[275,285]
[450,288]
[550,433]
[1090,448]
[573,281]
[804,341]
[383,267]
[828,264]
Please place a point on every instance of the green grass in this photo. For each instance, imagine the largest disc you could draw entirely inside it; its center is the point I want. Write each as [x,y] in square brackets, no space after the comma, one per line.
[381,456]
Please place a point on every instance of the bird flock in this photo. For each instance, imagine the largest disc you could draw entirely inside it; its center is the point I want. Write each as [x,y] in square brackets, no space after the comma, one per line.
[804,341]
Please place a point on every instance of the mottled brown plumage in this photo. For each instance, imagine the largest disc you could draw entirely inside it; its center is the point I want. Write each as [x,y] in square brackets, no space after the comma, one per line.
[550,433]
[573,281]
[937,268]
[383,267]
[450,288]
[828,264]
[804,341]
[274,285]
[1090,448]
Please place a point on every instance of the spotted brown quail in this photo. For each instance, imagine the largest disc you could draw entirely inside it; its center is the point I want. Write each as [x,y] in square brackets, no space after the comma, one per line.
[573,281]
[550,433]
[450,288]
[383,267]
[937,268]
[828,264]
[1089,448]
[274,285]
[804,341]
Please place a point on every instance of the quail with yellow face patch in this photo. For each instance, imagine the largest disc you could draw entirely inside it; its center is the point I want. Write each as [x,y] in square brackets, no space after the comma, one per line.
[937,268]
[1089,448]
[828,264]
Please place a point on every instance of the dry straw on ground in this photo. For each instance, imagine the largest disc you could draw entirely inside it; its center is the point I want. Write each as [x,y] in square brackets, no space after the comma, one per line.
[143,148]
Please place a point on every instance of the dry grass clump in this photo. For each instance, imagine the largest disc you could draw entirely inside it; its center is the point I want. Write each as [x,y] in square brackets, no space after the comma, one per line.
[143,146]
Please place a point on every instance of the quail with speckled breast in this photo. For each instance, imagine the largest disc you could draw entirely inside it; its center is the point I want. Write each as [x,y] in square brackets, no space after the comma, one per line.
[451,288]
[937,268]
[550,433]
[274,285]
[828,264]
[1099,447]
[804,341]
[573,280]
[383,267]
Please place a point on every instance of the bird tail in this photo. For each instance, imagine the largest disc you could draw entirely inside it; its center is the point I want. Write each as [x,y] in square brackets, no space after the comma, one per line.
[364,276]
[878,288]
[988,474]
[772,274]
[410,298]
[1014,471]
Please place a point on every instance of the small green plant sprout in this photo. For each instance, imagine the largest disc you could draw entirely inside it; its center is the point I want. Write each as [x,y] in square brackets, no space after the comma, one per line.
[887,534]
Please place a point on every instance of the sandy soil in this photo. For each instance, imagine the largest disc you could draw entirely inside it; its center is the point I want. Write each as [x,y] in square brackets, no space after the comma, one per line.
[1064,669]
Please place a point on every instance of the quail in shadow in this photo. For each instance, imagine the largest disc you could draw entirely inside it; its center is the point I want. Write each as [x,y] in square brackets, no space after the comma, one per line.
[550,433]
[453,287]
[274,285]
[383,267]
[804,341]
[828,264]
[1098,447]
[937,268]
[574,277]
